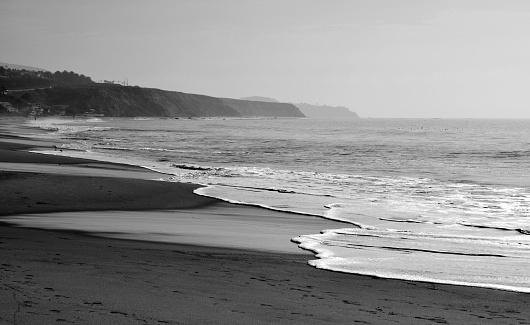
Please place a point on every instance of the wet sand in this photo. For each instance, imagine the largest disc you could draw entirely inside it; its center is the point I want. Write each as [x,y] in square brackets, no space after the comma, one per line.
[51,276]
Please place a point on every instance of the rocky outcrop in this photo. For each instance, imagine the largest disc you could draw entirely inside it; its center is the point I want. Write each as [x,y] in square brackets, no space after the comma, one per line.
[263,109]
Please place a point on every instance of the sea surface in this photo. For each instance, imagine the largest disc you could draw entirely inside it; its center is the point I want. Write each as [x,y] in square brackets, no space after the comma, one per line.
[438,200]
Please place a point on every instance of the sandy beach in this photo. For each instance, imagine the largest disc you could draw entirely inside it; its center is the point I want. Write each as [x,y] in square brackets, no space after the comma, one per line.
[60,276]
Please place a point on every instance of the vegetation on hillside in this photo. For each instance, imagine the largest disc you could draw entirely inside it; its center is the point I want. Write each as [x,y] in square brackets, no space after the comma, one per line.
[14,79]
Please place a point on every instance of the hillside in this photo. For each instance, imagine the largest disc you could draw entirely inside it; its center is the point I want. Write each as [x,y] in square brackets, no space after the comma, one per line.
[117,100]
[20,67]
[16,79]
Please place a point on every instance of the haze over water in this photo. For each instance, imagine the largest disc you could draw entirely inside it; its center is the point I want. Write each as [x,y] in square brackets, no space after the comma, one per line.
[422,199]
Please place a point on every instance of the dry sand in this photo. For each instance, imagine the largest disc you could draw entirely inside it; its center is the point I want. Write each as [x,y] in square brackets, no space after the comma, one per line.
[50,277]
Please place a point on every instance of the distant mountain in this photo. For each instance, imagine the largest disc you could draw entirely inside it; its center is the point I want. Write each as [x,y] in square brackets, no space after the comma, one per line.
[325,111]
[20,67]
[311,110]
[260,99]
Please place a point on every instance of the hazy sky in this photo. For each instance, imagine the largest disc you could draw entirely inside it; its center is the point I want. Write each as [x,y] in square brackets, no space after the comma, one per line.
[388,58]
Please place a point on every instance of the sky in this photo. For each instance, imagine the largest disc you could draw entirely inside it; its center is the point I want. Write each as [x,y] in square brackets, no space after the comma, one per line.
[380,58]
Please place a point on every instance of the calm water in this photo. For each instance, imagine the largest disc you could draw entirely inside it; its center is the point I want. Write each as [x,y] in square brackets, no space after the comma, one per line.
[433,200]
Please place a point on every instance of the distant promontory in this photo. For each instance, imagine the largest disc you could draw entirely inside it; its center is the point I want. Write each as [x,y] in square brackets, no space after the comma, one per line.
[325,111]
[312,110]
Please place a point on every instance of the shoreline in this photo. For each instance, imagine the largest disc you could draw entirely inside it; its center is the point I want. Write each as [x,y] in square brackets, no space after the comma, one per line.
[123,191]
[131,282]
[57,275]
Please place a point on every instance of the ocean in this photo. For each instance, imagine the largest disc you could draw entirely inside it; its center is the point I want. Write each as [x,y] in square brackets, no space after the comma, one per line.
[437,200]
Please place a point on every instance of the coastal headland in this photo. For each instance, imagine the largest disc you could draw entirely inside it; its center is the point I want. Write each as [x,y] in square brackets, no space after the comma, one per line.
[51,276]
[41,93]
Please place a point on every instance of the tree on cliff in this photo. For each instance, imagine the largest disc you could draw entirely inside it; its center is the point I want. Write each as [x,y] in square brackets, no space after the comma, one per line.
[70,78]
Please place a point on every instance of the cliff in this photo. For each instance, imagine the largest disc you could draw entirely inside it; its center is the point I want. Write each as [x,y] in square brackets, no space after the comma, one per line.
[116,100]
[325,111]
[266,109]
[311,110]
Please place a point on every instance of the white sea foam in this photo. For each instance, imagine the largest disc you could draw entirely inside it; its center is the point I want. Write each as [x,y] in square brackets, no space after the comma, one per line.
[401,256]
[68,126]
